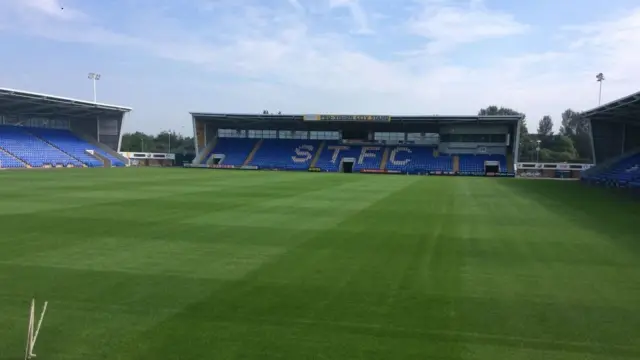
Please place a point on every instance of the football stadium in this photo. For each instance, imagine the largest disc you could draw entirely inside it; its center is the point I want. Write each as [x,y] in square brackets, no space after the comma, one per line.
[436,246]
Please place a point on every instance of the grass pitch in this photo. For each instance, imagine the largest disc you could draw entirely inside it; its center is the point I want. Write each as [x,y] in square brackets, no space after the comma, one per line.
[188,264]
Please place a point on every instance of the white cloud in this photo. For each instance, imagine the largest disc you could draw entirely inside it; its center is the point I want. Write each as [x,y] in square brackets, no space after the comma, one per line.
[279,58]
[358,14]
[446,25]
[615,43]
[296,5]
[51,8]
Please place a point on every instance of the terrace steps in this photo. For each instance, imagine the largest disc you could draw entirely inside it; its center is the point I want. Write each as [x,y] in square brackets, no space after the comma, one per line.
[210,151]
[456,163]
[15,157]
[318,153]
[385,158]
[253,152]
[59,149]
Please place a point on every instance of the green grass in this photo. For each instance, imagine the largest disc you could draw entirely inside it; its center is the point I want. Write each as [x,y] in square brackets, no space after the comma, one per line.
[189,264]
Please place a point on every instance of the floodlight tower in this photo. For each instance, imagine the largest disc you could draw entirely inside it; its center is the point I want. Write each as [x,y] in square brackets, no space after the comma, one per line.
[538,151]
[94,77]
[600,78]
[170,132]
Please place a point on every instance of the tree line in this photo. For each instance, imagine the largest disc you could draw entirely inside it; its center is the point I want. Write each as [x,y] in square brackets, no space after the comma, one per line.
[164,142]
[571,143]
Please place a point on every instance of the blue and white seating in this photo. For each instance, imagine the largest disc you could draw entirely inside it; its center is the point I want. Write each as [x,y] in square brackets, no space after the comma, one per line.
[293,154]
[235,150]
[68,142]
[624,173]
[285,154]
[9,162]
[31,149]
[364,156]
[40,147]
[476,163]
[417,159]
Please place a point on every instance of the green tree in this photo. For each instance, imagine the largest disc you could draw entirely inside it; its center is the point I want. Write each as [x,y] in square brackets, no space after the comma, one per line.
[545,126]
[161,143]
[137,142]
[576,126]
[561,144]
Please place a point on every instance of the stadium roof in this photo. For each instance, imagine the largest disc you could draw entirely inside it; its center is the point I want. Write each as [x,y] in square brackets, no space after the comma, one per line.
[30,103]
[626,109]
[283,119]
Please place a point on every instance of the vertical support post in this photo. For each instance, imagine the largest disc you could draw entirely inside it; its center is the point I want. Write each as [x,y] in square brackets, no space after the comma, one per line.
[121,122]
[95,95]
[195,135]
[624,137]
[98,128]
[593,147]
[516,147]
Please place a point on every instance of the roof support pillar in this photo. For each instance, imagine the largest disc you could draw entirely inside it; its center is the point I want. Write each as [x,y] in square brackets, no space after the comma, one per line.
[624,138]
[120,132]
[593,148]
[516,145]
[195,135]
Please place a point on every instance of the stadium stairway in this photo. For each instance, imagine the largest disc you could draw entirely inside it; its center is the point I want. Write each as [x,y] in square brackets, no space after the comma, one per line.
[331,158]
[32,150]
[208,151]
[385,159]
[116,159]
[253,152]
[70,141]
[235,150]
[204,157]
[318,153]
[87,152]
[365,157]
[456,163]
[8,161]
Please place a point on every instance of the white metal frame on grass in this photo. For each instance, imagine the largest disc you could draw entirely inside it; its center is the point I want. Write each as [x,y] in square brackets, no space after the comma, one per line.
[33,331]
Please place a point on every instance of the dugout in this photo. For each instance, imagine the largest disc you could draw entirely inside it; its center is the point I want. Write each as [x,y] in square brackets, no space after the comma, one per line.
[149,159]
[96,123]
[454,135]
[551,170]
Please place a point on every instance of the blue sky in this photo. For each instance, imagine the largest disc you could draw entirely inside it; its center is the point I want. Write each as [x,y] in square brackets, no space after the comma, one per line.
[165,58]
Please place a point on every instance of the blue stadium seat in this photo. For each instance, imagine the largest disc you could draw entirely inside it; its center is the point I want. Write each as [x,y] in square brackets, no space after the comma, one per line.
[285,154]
[9,162]
[235,150]
[476,163]
[417,159]
[624,173]
[31,149]
[290,154]
[365,157]
[71,144]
